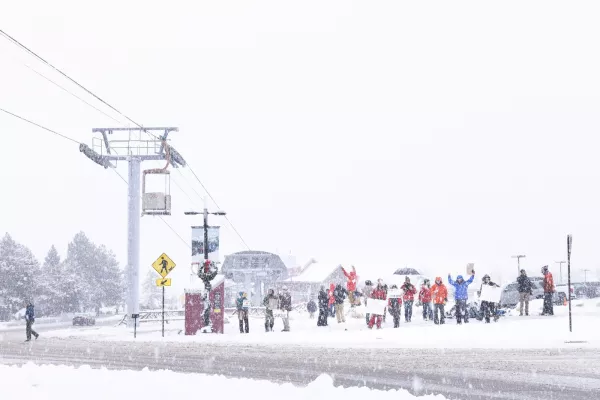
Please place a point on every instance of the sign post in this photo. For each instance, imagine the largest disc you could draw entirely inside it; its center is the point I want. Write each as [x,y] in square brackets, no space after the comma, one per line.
[135,317]
[569,245]
[163,265]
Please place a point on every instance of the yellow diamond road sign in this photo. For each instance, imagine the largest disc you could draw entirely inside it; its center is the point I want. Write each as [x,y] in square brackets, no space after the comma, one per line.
[163,282]
[163,265]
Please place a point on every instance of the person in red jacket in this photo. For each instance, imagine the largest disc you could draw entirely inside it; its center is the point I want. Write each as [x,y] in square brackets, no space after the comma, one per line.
[439,293]
[425,299]
[351,284]
[331,300]
[378,294]
[409,298]
[548,291]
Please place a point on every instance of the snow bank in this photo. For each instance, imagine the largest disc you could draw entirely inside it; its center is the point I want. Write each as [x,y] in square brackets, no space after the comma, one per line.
[51,382]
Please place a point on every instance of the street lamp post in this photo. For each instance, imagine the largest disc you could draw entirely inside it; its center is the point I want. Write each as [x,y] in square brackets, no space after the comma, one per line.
[560,268]
[585,271]
[519,262]
[205,214]
[206,276]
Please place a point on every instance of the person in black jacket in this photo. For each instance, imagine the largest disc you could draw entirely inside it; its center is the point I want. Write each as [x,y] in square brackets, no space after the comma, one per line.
[525,290]
[487,307]
[340,294]
[395,307]
[323,299]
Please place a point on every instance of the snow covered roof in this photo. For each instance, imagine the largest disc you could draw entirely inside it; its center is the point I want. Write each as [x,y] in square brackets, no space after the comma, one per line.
[315,273]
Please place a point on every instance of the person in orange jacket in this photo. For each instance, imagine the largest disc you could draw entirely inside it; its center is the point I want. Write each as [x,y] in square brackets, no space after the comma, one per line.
[548,291]
[439,292]
[351,284]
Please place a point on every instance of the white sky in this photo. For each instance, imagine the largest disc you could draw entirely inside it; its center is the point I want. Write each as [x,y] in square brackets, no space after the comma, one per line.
[461,131]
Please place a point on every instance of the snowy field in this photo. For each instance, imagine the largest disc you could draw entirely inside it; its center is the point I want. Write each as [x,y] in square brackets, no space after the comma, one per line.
[49,382]
[511,331]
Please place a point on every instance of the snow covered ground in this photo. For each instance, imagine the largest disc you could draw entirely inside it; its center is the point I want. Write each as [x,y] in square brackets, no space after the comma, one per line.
[511,331]
[49,382]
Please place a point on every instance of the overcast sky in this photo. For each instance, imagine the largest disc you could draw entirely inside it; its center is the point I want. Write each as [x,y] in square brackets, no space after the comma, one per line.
[387,133]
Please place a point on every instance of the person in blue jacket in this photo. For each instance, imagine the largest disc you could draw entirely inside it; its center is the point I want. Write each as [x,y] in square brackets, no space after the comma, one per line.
[29,320]
[242,304]
[461,296]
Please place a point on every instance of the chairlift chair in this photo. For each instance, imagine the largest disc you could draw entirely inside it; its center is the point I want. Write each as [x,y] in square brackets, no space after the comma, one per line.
[156,203]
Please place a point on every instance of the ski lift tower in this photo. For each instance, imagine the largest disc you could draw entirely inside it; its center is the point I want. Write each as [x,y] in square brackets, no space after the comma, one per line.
[135,145]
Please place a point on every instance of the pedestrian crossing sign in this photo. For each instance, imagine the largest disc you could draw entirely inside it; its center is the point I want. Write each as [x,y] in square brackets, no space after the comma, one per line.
[163,265]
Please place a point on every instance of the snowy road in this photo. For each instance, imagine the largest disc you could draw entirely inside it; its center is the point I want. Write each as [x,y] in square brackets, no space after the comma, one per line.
[457,374]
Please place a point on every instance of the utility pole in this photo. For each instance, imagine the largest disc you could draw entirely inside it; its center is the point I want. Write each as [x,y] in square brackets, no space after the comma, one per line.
[518,263]
[569,247]
[136,150]
[560,268]
[585,271]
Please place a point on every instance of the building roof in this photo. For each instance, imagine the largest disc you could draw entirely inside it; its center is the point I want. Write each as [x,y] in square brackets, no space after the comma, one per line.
[315,273]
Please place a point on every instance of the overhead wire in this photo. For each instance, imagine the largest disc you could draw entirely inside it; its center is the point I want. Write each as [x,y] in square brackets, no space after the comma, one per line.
[22,46]
[114,119]
[77,142]
[39,126]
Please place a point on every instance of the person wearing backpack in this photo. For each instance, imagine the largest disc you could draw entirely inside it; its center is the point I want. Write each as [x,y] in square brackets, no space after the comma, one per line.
[242,311]
[525,289]
[461,296]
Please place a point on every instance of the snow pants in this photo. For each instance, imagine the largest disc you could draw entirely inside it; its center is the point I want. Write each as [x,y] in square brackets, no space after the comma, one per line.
[339,313]
[438,314]
[322,319]
[524,300]
[427,312]
[461,311]
[488,309]
[548,306]
[286,321]
[269,320]
[29,330]
[408,308]
[396,315]
[243,318]
[372,321]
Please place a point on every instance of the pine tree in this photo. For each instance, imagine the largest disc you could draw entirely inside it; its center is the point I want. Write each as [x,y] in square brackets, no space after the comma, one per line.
[97,278]
[19,269]
[151,298]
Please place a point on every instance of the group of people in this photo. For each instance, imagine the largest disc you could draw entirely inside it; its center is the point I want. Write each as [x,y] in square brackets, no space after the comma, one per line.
[525,289]
[434,298]
[272,302]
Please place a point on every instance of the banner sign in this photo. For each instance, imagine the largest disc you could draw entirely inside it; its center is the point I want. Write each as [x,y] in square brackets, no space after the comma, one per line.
[394,293]
[376,306]
[198,243]
[490,293]
[470,269]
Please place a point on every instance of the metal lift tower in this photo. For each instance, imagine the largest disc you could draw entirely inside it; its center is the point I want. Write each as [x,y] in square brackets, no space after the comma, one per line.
[135,146]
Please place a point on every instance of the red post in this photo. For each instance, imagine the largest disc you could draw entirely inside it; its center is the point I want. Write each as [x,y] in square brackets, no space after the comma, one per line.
[217,318]
[193,311]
